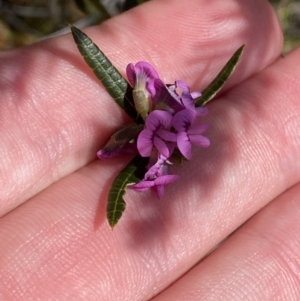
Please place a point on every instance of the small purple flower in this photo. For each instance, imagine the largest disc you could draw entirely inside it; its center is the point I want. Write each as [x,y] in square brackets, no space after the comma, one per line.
[188,132]
[165,98]
[141,77]
[156,134]
[157,169]
[185,95]
[177,97]
[187,98]
[157,184]
[156,178]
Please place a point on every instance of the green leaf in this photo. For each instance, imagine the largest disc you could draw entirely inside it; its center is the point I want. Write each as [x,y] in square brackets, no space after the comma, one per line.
[217,84]
[109,76]
[132,173]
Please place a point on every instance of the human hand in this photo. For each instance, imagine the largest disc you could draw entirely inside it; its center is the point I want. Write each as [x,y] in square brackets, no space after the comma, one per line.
[57,245]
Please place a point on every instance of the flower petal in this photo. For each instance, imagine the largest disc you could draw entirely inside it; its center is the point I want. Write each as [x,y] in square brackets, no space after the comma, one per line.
[185,95]
[166,135]
[141,76]
[142,186]
[144,142]
[195,94]
[157,170]
[174,94]
[184,145]
[152,172]
[188,101]
[161,146]
[165,97]
[131,76]
[166,179]
[157,119]
[183,119]
[146,68]
[183,86]
[199,140]
[151,88]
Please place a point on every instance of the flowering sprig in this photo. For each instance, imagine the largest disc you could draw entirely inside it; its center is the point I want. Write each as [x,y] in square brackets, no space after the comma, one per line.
[166,121]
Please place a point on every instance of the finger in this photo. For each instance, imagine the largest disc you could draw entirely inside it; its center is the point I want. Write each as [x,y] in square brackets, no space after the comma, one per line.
[259,262]
[54,113]
[62,232]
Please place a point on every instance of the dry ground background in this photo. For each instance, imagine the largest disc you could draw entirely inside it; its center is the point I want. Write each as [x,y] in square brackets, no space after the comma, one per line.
[26,21]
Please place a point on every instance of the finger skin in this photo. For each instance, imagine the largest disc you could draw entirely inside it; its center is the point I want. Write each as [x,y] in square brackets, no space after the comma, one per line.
[58,245]
[260,261]
[54,113]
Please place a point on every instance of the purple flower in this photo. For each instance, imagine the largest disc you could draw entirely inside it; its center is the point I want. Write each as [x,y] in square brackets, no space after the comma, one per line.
[188,132]
[165,98]
[187,98]
[141,77]
[156,184]
[185,95]
[177,97]
[156,178]
[156,134]
[156,164]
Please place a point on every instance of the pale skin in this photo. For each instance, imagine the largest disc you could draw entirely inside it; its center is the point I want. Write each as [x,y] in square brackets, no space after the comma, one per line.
[55,242]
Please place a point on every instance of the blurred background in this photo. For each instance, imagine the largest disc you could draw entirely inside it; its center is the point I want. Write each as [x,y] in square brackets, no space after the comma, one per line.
[23,22]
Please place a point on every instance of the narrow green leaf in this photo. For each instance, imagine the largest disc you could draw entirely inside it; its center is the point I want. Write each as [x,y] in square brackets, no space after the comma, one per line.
[132,173]
[115,84]
[217,84]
